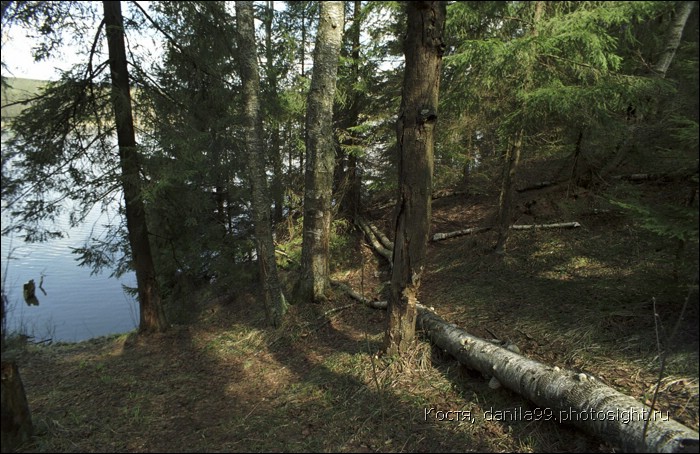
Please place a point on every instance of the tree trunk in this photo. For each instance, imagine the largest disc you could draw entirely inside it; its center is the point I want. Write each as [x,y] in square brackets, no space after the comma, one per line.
[152,318]
[423,48]
[512,159]
[671,43]
[275,304]
[673,38]
[320,155]
[351,183]
[17,425]
[275,142]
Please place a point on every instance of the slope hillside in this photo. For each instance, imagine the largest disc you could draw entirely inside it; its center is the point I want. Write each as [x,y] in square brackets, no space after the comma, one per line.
[581,298]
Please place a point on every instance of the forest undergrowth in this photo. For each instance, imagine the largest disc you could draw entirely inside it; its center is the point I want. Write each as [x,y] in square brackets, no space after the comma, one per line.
[582,299]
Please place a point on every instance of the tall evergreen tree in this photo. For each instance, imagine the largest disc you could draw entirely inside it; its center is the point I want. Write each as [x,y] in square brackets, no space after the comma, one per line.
[152,318]
[424,47]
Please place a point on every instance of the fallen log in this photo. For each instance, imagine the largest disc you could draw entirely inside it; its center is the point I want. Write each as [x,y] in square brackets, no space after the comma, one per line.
[565,396]
[559,225]
[386,242]
[383,251]
[444,236]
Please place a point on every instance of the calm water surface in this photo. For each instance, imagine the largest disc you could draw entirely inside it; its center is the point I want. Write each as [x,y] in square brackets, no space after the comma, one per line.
[77,306]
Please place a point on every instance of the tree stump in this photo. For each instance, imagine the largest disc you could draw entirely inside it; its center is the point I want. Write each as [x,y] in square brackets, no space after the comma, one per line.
[16,420]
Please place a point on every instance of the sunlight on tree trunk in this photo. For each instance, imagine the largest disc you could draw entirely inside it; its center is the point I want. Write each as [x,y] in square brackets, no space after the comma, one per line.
[275,304]
[320,155]
[416,123]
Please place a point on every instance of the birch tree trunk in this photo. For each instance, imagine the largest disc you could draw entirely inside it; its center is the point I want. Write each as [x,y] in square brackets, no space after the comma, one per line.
[152,316]
[671,42]
[423,48]
[275,304]
[673,38]
[320,155]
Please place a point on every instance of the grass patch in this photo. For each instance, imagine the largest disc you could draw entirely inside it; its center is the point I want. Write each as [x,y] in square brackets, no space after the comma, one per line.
[581,299]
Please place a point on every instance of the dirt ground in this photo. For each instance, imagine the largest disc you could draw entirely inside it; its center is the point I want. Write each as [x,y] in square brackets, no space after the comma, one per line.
[582,299]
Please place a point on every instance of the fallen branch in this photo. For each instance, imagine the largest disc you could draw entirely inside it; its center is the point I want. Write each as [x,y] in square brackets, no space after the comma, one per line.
[637,177]
[444,236]
[367,302]
[560,225]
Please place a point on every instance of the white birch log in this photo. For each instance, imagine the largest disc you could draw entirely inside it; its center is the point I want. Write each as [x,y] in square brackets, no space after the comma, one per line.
[386,242]
[559,225]
[575,398]
[569,397]
[444,236]
[563,396]
[383,251]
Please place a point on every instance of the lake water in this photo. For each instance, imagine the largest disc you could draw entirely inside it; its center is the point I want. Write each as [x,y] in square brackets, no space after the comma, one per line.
[77,306]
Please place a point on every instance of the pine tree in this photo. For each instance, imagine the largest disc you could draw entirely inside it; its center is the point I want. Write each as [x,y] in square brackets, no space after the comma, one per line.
[415,128]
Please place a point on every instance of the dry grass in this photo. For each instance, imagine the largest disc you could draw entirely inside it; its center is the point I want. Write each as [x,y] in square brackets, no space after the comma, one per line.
[579,299]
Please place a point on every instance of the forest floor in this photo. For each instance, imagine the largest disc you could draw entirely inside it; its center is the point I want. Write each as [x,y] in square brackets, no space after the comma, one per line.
[582,299]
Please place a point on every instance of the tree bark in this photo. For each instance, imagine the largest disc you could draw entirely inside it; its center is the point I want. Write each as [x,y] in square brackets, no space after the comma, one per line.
[152,316]
[512,159]
[423,48]
[673,38]
[275,304]
[320,155]
[350,181]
